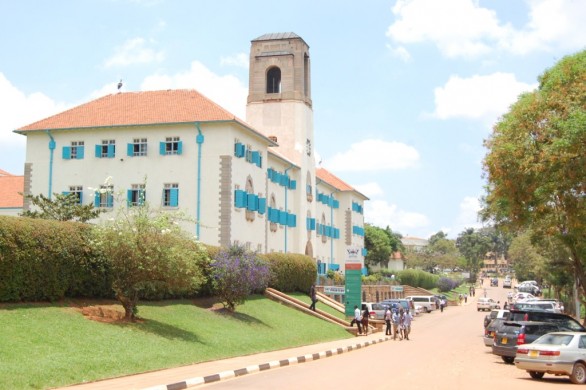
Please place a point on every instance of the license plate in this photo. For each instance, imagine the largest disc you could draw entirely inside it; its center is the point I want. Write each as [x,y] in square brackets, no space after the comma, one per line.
[504,340]
[533,354]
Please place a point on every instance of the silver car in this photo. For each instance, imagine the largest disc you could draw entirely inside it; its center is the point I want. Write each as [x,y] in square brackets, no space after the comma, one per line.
[557,353]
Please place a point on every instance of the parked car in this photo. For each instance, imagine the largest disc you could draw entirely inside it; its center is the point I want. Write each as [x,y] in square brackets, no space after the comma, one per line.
[490,330]
[494,282]
[511,334]
[507,283]
[537,305]
[496,313]
[425,301]
[559,353]
[529,288]
[564,321]
[376,310]
[405,303]
[487,304]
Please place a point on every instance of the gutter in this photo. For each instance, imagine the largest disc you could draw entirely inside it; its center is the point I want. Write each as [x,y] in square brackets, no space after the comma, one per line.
[51,152]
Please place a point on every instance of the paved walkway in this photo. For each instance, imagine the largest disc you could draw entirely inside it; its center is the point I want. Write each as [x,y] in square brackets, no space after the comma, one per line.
[202,373]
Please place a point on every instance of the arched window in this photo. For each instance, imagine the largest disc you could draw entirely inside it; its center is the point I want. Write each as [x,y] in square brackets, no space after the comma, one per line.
[274,80]
[272,206]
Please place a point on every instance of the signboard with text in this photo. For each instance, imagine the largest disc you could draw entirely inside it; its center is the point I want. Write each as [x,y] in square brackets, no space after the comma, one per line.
[353,296]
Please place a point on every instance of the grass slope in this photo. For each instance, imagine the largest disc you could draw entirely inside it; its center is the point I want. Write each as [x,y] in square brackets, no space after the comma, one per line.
[51,345]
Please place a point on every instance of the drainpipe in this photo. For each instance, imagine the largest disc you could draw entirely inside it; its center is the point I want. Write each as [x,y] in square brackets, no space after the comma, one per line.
[199,139]
[51,150]
[286,196]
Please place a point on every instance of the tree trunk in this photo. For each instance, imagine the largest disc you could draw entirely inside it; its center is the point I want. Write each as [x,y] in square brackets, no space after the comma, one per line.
[129,305]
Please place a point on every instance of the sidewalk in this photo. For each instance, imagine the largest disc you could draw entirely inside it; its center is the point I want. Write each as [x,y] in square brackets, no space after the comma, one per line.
[208,372]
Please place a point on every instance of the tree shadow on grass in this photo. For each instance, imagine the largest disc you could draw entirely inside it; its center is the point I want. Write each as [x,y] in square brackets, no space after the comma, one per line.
[162,329]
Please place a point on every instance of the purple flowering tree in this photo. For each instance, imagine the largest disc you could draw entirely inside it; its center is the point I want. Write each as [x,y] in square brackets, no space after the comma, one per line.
[237,274]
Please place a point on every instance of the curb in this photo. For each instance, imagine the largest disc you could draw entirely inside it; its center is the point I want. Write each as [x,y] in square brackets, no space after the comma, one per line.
[204,380]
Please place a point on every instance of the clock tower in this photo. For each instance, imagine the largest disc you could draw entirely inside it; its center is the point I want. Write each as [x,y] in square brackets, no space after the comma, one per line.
[279,104]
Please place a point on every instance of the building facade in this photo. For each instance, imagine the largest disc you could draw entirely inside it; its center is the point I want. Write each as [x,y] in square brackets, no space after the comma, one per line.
[252,183]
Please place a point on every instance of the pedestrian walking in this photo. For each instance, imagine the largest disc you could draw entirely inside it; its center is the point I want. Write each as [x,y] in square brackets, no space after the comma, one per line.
[407,318]
[388,316]
[313,295]
[465,298]
[442,305]
[357,319]
[395,318]
[365,315]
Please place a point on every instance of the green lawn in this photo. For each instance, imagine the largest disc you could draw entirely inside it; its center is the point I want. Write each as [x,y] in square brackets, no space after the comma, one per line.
[51,345]
[321,306]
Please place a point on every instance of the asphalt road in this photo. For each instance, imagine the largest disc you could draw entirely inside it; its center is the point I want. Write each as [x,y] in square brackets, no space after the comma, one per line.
[446,351]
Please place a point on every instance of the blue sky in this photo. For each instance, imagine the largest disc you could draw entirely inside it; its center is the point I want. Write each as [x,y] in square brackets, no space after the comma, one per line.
[404,92]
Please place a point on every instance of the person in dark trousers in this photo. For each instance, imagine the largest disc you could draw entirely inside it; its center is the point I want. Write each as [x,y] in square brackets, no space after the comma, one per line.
[313,296]
[388,316]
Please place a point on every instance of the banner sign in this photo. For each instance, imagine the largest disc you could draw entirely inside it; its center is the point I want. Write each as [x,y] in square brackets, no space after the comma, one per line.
[334,290]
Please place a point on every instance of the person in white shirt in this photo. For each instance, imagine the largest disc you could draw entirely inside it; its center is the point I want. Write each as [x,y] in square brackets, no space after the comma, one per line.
[407,317]
[358,318]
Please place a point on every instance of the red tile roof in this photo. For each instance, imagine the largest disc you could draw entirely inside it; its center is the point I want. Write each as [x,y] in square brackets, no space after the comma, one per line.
[10,186]
[137,108]
[335,181]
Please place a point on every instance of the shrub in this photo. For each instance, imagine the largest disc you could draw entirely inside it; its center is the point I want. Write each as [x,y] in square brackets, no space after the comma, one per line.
[48,260]
[237,274]
[291,272]
[446,284]
[418,278]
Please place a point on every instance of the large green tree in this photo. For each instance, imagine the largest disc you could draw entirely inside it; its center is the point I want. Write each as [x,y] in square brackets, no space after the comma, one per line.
[473,245]
[378,246]
[536,162]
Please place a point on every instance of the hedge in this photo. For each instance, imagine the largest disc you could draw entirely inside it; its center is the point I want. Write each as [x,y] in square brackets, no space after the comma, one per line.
[291,271]
[48,260]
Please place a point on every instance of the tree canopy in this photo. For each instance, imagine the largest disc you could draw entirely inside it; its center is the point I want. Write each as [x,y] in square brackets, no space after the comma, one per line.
[62,207]
[536,162]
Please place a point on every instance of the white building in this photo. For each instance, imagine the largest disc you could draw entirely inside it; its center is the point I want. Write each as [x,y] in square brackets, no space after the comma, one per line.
[250,182]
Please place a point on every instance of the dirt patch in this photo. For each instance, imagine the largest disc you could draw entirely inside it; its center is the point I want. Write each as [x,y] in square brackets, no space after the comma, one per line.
[103,313]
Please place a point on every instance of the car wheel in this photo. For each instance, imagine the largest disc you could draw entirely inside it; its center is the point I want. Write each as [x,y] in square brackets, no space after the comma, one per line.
[508,359]
[536,374]
[427,310]
[578,374]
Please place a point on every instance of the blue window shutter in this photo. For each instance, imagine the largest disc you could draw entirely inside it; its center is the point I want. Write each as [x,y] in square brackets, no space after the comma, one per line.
[283,217]
[238,149]
[337,233]
[291,220]
[336,204]
[262,205]
[239,198]
[110,200]
[255,158]
[335,267]
[162,148]
[270,173]
[96,199]
[308,223]
[111,151]
[130,150]
[174,193]
[354,229]
[276,177]
[128,197]
[252,202]
[80,152]
[98,151]
[312,224]
[364,251]
[293,185]
[180,147]
[67,152]
[80,197]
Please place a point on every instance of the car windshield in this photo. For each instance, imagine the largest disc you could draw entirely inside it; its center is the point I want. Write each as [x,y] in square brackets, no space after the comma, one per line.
[554,339]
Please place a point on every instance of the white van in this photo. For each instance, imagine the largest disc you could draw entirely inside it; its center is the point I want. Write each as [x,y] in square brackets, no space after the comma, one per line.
[427,302]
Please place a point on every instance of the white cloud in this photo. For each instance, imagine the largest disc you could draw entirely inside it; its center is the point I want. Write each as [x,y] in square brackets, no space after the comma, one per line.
[462,28]
[374,155]
[241,60]
[457,27]
[225,90]
[382,214]
[468,215]
[19,109]
[372,190]
[134,51]
[400,52]
[478,97]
